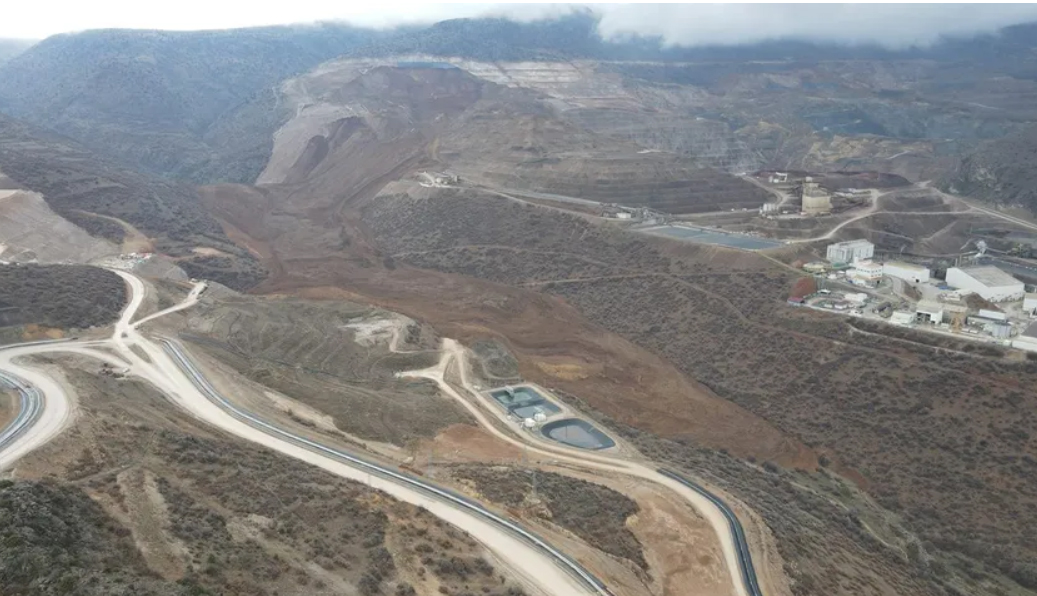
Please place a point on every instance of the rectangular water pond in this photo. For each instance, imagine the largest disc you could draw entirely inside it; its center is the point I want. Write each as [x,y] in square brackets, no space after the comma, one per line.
[524,402]
[718,238]
[577,433]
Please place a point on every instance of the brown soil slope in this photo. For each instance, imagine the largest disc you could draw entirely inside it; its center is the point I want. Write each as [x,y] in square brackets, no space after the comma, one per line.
[651,334]
[623,380]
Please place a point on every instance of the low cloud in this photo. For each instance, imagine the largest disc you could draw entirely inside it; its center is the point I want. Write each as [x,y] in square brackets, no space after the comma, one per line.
[891,25]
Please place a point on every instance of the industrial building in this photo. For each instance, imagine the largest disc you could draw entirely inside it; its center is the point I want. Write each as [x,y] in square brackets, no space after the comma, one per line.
[906,271]
[988,281]
[865,273]
[929,311]
[1030,304]
[816,200]
[850,251]
[1027,340]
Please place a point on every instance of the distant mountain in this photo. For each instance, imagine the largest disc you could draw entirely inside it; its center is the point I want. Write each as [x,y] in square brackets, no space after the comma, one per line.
[9,48]
[203,106]
[154,98]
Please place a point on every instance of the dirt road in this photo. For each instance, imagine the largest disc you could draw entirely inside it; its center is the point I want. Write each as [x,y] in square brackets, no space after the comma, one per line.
[453,352]
[533,567]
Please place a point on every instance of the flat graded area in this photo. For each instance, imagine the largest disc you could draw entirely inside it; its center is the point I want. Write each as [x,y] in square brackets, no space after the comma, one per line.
[160,504]
[31,231]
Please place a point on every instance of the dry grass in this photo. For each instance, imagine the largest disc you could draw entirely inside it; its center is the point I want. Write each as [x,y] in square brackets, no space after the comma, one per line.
[593,512]
[248,521]
[911,424]
[309,351]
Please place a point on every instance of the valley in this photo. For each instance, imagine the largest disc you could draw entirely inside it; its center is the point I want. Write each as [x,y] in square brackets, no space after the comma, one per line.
[267,316]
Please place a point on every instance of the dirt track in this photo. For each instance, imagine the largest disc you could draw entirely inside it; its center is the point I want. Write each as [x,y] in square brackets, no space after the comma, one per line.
[453,354]
[535,569]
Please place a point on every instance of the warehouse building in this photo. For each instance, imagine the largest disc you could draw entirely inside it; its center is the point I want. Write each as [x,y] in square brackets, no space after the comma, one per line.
[989,282]
[1030,304]
[906,271]
[1027,340]
[850,251]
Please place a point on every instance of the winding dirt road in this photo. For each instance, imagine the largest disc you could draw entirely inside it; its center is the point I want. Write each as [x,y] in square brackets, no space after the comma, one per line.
[453,352]
[533,567]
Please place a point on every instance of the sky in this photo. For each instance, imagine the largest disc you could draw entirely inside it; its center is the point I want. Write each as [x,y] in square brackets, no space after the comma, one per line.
[893,25]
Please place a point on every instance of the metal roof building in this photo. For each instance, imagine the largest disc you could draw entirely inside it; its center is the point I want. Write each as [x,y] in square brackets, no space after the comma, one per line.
[988,281]
[850,251]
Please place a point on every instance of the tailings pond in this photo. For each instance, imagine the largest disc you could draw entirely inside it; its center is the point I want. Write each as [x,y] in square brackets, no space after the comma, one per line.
[577,433]
[703,236]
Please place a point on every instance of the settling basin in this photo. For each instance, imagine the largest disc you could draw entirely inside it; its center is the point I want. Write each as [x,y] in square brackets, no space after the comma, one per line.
[524,401]
[577,433]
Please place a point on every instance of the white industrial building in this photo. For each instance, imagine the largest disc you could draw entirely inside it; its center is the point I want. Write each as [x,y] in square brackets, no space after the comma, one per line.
[866,272]
[929,311]
[906,271]
[1030,303]
[989,282]
[850,251]
[1027,340]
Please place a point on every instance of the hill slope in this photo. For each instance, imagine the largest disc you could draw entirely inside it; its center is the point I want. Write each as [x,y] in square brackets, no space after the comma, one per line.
[1000,171]
[155,99]
[75,184]
[9,48]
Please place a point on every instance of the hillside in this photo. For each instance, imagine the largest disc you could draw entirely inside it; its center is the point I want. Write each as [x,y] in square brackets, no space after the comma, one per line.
[1000,172]
[202,106]
[9,48]
[359,124]
[59,296]
[76,183]
[156,99]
